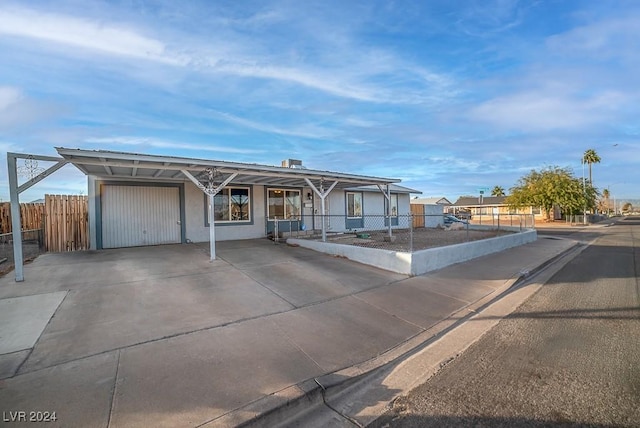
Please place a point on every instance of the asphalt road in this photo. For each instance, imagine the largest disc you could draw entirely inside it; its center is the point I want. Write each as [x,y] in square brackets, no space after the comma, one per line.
[569,356]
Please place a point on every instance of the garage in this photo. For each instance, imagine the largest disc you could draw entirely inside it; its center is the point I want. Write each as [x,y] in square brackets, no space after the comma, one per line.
[140,215]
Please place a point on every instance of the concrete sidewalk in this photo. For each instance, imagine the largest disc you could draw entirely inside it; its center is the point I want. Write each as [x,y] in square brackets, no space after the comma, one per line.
[162,337]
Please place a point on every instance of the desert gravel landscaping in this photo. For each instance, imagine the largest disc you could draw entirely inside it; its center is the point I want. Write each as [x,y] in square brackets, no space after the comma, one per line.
[419,239]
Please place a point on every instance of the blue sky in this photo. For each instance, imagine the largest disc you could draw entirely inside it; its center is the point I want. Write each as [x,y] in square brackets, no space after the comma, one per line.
[449,96]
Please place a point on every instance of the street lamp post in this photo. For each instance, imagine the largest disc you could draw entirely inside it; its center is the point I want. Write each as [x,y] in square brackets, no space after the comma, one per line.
[584,194]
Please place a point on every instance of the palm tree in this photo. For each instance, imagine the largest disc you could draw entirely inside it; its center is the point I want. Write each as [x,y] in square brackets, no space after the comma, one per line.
[497,191]
[606,195]
[590,156]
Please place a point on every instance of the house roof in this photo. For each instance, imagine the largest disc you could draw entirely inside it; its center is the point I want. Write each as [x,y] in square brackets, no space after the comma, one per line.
[394,188]
[475,202]
[135,166]
[431,201]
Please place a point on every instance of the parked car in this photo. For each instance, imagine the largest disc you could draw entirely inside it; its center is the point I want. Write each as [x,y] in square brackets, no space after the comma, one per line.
[463,215]
[449,219]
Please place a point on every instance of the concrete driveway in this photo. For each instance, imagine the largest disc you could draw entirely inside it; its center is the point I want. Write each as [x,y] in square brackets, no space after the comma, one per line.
[161,336]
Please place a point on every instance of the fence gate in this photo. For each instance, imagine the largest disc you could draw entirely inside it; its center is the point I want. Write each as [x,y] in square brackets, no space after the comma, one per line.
[417,210]
[66,223]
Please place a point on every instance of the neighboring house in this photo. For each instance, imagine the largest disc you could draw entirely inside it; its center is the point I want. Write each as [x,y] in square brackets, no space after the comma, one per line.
[491,206]
[431,201]
[137,200]
[428,212]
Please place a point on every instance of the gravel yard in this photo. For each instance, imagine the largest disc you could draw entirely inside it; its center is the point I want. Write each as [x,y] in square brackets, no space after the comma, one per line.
[30,250]
[420,239]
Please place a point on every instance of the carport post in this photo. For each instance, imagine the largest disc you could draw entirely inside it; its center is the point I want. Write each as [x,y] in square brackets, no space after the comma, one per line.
[210,191]
[16,224]
[322,194]
[212,229]
[14,197]
[387,195]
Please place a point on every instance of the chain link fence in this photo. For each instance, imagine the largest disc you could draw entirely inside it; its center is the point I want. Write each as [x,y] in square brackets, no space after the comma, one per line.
[406,233]
[32,246]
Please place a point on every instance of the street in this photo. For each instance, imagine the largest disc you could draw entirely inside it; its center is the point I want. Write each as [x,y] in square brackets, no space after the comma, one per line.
[568,356]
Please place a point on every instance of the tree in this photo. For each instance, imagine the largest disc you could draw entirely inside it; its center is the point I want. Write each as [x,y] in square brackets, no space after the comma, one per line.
[497,191]
[590,157]
[552,186]
[627,207]
[604,205]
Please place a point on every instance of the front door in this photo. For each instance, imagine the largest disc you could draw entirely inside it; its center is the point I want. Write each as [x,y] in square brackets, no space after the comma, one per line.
[284,208]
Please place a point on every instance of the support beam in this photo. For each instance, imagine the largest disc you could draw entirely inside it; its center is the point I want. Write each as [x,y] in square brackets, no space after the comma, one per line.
[44,174]
[160,170]
[322,194]
[210,195]
[106,167]
[16,222]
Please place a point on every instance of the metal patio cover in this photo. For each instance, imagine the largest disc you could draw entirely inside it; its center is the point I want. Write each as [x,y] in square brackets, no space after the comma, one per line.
[134,166]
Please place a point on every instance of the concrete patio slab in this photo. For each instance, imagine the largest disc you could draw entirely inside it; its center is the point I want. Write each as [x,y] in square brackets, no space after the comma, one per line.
[298,283]
[9,363]
[99,268]
[78,392]
[342,332]
[234,365]
[22,319]
[412,303]
[261,255]
[465,291]
[99,319]
[355,276]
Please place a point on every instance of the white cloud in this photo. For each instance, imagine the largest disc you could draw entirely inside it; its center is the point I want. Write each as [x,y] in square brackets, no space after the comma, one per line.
[18,110]
[9,96]
[163,144]
[601,40]
[539,111]
[237,56]
[308,131]
[85,33]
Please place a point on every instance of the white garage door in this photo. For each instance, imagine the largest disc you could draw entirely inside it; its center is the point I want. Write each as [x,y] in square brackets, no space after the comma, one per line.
[140,215]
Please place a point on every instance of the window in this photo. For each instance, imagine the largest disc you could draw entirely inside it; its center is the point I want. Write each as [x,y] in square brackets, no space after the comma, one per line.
[354,205]
[284,204]
[232,204]
[394,205]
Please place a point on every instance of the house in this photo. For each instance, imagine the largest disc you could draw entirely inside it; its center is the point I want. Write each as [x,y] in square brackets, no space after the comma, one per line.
[138,200]
[487,207]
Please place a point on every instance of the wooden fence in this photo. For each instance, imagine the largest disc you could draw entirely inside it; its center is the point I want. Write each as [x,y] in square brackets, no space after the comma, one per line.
[64,219]
[66,223]
[31,215]
[417,210]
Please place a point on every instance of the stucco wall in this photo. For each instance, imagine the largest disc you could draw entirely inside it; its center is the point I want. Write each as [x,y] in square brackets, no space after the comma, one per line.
[433,215]
[195,217]
[424,261]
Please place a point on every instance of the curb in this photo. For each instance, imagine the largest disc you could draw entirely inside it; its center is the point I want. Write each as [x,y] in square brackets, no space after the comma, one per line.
[290,405]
